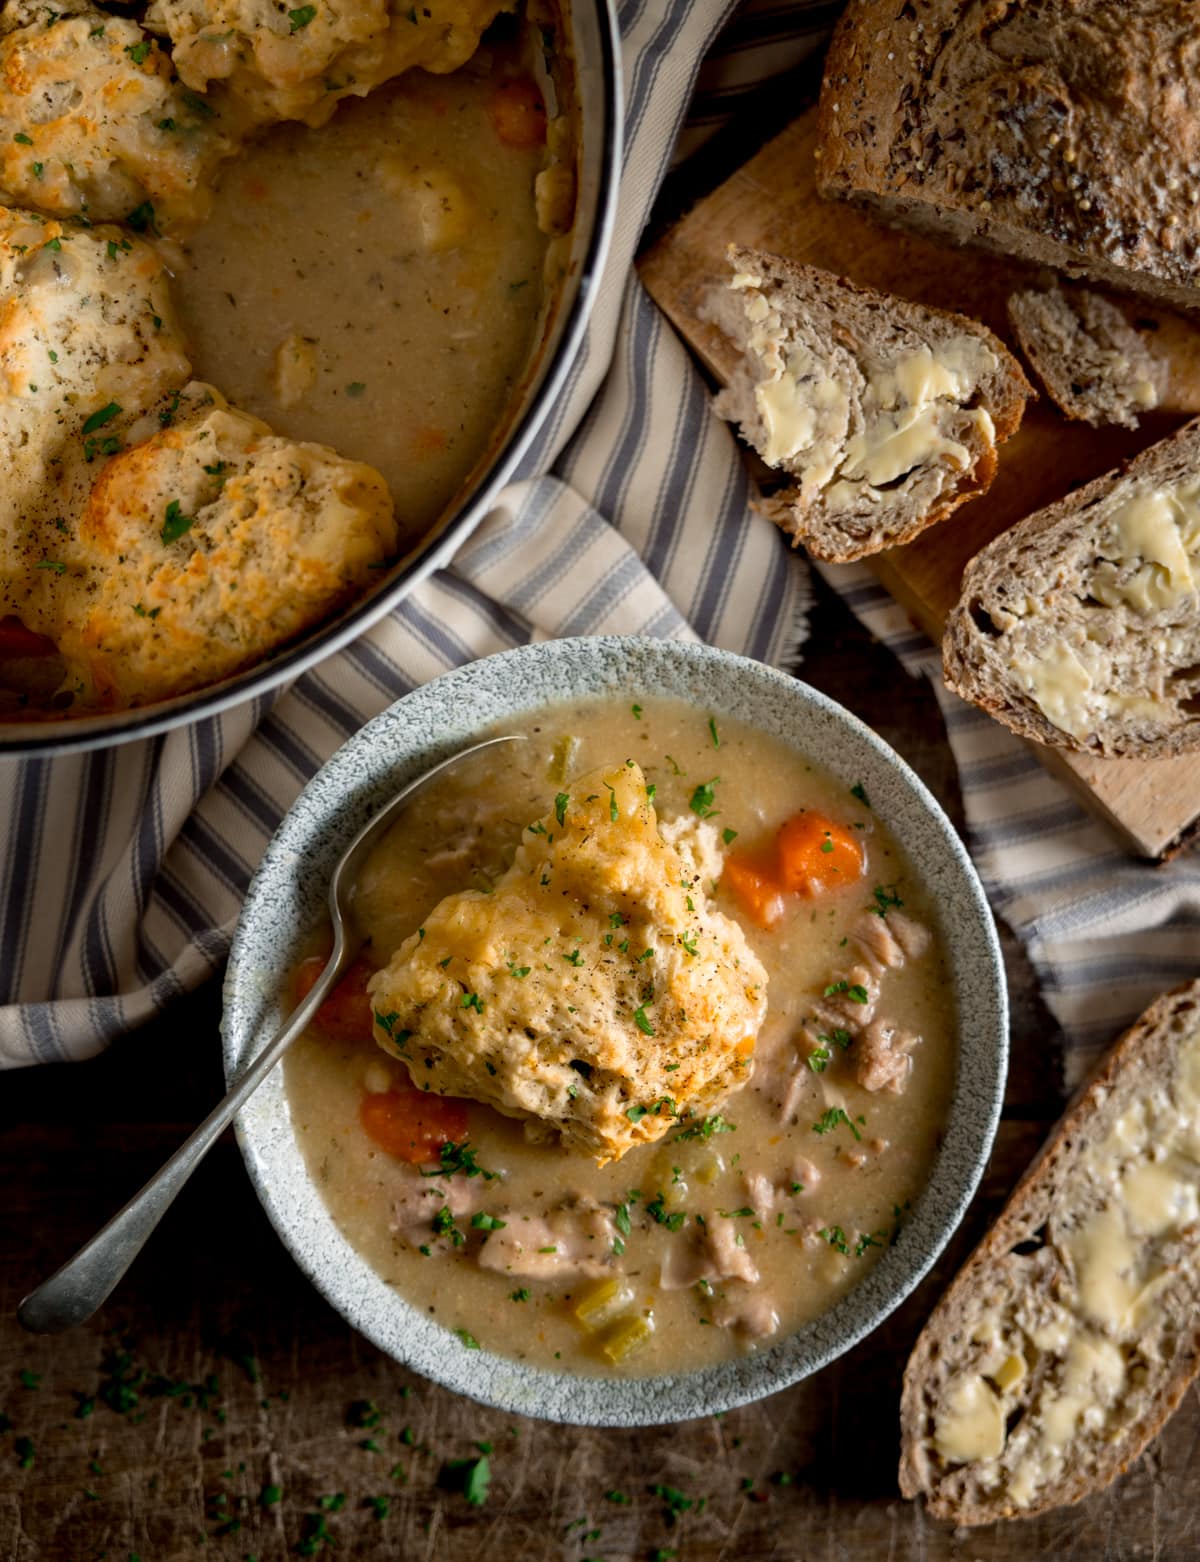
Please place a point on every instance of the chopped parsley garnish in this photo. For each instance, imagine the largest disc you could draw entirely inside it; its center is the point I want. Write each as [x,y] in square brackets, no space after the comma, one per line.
[729,836]
[468,1339]
[707,1127]
[818,1059]
[301,16]
[574,958]
[886,899]
[657,1210]
[613,811]
[176,523]
[443,1226]
[519,971]
[621,1220]
[560,807]
[58,567]
[473,1001]
[23,139]
[830,1119]
[836,1037]
[387,1024]
[856,992]
[521,1295]
[471,1477]
[355,388]
[704,797]
[713,733]
[636,709]
[482,1222]
[642,1022]
[836,1238]
[138,52]
[142,218]
[865,1240]
[460,1159]
[636,1113]
[859,790]
[100,418]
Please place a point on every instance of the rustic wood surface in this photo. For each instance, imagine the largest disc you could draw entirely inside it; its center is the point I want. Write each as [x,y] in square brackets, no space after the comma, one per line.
[119,1466]
[771,203]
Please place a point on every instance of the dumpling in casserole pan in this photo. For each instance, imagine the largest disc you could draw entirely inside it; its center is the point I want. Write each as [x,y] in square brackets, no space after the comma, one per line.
[94,123]
[298,62]
[207,545]
[593,989]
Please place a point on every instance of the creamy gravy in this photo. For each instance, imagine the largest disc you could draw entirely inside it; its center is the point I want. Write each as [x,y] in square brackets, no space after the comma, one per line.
[814,1242]
[375,285]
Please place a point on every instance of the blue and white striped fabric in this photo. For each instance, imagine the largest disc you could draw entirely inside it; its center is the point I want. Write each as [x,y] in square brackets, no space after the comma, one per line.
[1105,933]
[122,873]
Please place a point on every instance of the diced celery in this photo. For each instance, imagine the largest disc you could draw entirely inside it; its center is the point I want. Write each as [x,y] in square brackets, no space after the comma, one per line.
[628,1338]
[603,1303]
[562,760]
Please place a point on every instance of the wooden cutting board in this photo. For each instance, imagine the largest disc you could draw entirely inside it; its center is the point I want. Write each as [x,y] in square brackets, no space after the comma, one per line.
[772,203]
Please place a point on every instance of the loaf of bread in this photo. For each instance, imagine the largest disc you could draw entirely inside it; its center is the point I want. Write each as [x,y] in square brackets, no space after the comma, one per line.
[1066,132]
[885,414]
[1080,626]
[1094,365]
[1073,1330]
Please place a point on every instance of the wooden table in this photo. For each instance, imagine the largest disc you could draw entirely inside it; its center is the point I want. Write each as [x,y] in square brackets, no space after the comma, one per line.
[163,1467]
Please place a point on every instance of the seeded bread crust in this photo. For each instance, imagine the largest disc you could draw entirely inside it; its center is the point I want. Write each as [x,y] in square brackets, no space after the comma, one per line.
[1066,132]
[1042,1205]
[1051,560]
[1096,368]
[850,333]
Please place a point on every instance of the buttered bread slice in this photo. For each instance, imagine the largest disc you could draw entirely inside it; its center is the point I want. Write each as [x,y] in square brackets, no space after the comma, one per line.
[1080,626]
[1073,1331]
[592,989]
[884,414]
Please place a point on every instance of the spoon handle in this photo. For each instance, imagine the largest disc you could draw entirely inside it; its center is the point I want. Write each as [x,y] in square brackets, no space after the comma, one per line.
[73,1293]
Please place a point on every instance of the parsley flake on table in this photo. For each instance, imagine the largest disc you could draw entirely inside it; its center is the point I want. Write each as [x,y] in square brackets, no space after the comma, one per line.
[471,1477]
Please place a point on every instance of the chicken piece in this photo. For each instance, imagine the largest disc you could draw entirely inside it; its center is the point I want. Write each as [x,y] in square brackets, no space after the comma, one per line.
[712,1253]
[766,1196]
[94,123]
[882,1058]
[850,1002]
[575,1241]
[88,339]
[209,544]
[888,941]
[299,62]
[581,990]
[417,1211]
[752,1313]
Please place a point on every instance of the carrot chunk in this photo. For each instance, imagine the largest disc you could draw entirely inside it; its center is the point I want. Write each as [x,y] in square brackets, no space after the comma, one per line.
[817,854]
[346,1013]
[518,114]
[412,1124]
[751,878]
[16,640]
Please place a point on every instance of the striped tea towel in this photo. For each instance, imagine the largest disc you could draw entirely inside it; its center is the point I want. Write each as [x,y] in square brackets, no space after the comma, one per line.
[121,873]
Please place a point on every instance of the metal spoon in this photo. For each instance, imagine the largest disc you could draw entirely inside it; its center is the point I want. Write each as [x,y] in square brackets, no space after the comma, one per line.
[73,1293]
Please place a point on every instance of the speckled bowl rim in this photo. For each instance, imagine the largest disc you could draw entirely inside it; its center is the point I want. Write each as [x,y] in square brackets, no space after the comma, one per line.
[286,899]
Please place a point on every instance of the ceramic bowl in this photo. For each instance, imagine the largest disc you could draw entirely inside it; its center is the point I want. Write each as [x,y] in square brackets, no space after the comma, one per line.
[286,900]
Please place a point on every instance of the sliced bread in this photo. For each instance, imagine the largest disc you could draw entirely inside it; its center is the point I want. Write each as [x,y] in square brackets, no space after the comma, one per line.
[885,414]
[1094,365]
[1080,625]
[1072,1332]
[1066,132]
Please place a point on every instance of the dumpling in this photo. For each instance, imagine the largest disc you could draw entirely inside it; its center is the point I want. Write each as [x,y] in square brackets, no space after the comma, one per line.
[298,62]
[93,122]
[593,988]
[207,545]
